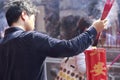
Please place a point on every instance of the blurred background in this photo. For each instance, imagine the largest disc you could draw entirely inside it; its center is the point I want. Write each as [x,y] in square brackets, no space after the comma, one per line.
[52,12]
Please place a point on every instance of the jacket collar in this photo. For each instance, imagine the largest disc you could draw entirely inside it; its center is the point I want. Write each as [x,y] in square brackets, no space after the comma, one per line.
[12,29]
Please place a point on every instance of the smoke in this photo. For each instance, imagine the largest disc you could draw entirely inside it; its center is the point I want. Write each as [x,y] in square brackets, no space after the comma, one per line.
[74,7]
[84,8]
[3,24]
[88,7]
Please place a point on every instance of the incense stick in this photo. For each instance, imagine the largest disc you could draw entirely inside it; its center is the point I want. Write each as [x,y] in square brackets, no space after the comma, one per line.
[118,57]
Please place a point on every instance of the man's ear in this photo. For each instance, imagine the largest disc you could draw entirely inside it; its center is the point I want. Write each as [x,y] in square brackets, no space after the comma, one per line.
[24,15]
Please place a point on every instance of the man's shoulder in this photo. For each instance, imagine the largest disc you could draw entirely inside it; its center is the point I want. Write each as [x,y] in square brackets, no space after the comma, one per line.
[33,34]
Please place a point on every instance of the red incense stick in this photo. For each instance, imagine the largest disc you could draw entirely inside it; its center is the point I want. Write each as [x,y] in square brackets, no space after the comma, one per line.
[115,60]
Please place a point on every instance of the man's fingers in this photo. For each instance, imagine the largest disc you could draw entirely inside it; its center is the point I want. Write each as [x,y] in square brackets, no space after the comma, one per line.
[105,21]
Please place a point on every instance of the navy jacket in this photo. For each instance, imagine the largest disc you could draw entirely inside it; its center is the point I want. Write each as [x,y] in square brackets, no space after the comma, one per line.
[22,53]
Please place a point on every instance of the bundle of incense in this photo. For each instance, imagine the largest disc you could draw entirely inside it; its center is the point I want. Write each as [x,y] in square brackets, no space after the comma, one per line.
[106,10]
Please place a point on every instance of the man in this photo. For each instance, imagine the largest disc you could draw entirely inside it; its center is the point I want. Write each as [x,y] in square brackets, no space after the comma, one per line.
[23,50]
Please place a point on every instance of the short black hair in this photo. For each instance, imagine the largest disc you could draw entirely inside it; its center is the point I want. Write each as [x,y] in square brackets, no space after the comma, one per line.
[15,8]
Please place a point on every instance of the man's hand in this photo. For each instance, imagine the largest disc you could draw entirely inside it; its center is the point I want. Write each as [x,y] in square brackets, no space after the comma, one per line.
[99,25]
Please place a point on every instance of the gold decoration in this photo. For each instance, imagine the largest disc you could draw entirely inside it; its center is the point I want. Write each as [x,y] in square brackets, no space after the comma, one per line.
[99,69]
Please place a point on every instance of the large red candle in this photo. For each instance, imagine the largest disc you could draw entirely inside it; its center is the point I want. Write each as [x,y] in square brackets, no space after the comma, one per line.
[96,64]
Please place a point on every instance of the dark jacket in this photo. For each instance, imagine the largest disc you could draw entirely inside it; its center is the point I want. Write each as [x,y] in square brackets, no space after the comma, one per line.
[22,53]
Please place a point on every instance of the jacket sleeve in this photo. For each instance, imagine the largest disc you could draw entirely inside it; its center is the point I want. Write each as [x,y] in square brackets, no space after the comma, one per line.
[52,47]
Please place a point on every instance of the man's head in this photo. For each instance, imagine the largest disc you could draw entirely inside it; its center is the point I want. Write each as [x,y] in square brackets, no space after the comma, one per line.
[21,13]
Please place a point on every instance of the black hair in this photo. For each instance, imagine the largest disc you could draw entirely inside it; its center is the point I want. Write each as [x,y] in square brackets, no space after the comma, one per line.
[83,23]
[15,8]
[68,26]
[72,26]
